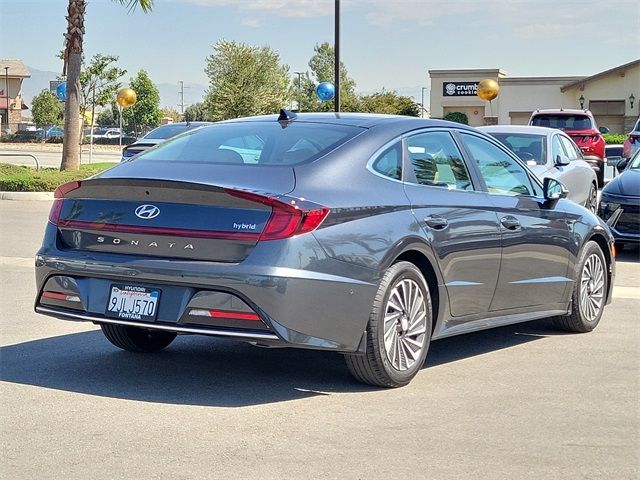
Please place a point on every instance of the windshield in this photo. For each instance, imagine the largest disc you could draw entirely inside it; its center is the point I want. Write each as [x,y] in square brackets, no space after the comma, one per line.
[253,143]
[563,122]
[166,131]
[528,147]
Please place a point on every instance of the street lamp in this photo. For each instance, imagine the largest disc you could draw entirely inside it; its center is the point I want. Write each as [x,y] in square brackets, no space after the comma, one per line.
[581,101]
[6,91]
[336,74]
[631,100]
[422,104]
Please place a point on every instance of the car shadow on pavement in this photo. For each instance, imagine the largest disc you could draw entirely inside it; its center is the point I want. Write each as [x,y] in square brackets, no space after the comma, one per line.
[209,372]
[631,254]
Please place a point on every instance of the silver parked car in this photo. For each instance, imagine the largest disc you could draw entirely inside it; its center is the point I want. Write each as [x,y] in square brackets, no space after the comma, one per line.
[550,153]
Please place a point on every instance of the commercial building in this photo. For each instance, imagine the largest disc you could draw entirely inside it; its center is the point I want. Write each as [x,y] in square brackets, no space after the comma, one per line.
[12,73]
[612,96]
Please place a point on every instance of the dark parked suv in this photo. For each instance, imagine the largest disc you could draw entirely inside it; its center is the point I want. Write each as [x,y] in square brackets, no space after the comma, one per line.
[581,127]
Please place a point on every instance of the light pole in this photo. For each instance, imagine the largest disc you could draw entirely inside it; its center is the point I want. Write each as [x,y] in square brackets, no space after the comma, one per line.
[336,74]
[422,104]
[6,91]
[299,74]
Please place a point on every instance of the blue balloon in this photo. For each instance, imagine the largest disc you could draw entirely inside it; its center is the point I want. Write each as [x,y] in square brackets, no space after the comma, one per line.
[61,91]
[325,91]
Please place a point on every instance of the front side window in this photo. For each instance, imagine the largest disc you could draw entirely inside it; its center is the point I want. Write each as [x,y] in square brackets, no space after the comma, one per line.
[556,149]
[572,151]
[501,173]
[437,162]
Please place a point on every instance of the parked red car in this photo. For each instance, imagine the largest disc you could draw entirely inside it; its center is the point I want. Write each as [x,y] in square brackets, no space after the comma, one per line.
[581,127]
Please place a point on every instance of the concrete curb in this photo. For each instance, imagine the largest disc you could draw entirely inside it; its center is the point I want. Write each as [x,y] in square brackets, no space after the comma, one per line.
[30,196]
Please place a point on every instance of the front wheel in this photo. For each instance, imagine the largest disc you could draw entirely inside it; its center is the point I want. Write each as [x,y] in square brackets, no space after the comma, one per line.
[134,339]
[399,329]
[589,292]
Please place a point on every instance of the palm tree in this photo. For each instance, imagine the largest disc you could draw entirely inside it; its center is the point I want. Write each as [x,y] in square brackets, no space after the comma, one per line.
[72,66]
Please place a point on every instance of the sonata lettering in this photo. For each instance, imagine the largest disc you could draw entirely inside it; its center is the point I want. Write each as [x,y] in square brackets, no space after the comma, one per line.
[136,243]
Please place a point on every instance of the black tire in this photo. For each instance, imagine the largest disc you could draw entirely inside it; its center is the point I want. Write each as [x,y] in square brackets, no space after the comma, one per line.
[375,367]
[600,176]
[139,340]
[580,319]
[591,203]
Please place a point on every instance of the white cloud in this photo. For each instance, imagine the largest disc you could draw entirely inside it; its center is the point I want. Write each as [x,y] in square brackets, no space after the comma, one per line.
[282,8]
[250,22]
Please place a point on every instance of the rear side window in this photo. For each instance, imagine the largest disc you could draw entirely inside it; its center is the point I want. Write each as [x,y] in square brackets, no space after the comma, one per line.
[253,143]
[563,122]
[389,162]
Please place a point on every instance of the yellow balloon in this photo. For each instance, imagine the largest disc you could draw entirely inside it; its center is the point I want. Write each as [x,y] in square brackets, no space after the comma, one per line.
[126,97]
[488,89]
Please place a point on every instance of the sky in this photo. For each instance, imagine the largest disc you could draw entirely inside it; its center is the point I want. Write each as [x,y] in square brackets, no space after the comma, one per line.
[388,44]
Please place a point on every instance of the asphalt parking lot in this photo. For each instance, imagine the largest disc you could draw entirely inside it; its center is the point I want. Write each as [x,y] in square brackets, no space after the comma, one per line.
[522,401]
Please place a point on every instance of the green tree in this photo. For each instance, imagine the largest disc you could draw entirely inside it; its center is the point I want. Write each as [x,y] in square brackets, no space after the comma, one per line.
[390,103]
[196,112]
[46,109]
[99,82]
[108,117]
[244,80]
[458,117]
[146,112]
[171,113]
[74,39]
[322,65]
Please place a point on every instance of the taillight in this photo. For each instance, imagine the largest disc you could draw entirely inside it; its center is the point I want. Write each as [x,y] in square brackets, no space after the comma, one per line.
[58,199]
[288,218]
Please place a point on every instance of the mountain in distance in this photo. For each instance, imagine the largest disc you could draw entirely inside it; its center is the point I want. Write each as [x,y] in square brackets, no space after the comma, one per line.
[169,93]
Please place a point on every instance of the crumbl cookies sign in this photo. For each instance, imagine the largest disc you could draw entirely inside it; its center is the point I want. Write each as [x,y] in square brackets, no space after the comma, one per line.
[459,89]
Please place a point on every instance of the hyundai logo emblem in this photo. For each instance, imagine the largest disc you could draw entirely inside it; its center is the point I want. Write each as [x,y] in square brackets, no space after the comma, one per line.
[147,212]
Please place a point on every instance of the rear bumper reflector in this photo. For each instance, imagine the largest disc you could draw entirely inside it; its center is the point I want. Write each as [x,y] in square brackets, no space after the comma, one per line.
[252,317]
[61,296]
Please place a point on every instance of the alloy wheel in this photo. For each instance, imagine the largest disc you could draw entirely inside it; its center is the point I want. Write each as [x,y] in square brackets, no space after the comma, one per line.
[592,288]
[592,201]
[405,324]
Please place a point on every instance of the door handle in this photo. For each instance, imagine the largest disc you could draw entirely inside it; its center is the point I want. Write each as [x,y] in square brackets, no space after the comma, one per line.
[510,223]
[437,223]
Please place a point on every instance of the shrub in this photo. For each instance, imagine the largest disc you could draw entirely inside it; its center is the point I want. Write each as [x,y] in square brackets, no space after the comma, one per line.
[18,178]
[458,117]
[614,138]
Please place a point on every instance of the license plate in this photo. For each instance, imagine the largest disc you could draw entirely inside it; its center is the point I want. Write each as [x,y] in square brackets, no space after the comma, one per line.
[132,302]
[613,161]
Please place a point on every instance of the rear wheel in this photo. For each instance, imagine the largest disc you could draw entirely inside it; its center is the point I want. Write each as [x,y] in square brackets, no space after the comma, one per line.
[134,339]
[592,199]
[399,329]
[589,292]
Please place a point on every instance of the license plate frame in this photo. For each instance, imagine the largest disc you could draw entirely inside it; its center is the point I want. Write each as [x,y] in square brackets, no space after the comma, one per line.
[133,302]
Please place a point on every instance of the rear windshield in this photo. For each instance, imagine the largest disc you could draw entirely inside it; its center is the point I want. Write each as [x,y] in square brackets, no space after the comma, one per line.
[166,131]
[253,143]
[528,147]
[563,122]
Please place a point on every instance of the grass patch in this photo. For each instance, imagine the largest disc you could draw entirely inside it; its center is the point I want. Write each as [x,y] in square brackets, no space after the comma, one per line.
[19,178]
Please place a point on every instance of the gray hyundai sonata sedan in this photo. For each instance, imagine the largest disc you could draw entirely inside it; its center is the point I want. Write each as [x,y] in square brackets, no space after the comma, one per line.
[362,234]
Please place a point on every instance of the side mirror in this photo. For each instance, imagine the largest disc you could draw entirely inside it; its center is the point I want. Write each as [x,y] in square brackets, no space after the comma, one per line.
[554,190]
[604,130]
[561,160]
[622,164]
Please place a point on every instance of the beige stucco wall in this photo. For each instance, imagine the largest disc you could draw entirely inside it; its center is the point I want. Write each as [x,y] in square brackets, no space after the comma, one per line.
[519,96]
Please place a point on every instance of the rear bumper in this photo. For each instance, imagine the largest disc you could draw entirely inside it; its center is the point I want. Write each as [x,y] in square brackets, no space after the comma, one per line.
[325,308]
